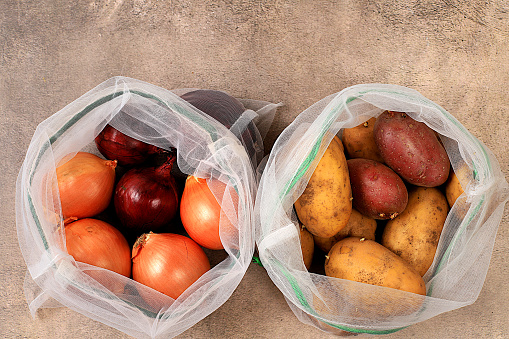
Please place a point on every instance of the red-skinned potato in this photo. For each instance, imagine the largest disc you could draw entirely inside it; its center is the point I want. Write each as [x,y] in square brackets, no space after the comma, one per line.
[411,149]
[377,191]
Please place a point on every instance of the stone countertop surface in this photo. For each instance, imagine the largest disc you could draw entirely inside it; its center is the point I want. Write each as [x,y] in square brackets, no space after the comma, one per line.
[455,53]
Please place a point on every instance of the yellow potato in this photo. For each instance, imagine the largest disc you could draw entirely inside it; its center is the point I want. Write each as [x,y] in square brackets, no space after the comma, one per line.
[414,234]
[325,205]
[358,225]
[454,191]
[307,246]
[359,142]
[453,187]
[366,261]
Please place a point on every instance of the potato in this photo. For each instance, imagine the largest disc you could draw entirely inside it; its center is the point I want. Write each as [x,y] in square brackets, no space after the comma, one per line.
[454,191]
[350,298]
[358,225]
[411,149]
[366,261]
[453,188]
[414,234]
[377,191]
[359,141]
[307,246]
[325,205]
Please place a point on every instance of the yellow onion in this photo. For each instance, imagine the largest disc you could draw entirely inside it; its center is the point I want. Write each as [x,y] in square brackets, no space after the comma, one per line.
[200,212]
[85,185]
[98,243]
[168,263]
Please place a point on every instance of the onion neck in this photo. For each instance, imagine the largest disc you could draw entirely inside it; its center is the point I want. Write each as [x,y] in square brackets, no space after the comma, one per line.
[140,242]
[111,163]
[152,149]
[198,180]
[165,169]
[163,172]
[69,220]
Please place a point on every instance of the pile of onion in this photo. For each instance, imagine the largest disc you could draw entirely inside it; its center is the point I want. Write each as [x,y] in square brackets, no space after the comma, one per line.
[168,263]
[85,185]
[147,198]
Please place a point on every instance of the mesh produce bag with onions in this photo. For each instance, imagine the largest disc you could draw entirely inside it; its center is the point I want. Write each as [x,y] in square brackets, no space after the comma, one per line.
[340,306]
[205,148]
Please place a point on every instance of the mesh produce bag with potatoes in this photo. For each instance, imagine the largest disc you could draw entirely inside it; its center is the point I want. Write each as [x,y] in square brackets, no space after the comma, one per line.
[342,306]
[205,148]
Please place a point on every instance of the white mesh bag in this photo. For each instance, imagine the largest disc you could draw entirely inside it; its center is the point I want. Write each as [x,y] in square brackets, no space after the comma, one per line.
[205,148]
[345,307]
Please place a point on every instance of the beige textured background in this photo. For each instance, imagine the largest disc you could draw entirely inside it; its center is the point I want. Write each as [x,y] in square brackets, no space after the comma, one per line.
[297,52]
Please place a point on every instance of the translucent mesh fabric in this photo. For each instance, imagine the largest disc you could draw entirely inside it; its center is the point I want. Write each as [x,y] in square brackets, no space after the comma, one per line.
[457,274]
[205,149]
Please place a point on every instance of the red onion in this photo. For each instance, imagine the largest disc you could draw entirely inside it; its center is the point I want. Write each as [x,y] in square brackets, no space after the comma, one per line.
[115,145]
[147,198]
[225,109]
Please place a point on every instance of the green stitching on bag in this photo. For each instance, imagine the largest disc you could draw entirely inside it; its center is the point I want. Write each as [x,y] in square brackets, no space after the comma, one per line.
[302,299]
[453,242]
[314,150]
[44,147]
[36,220]
[257,260]
[193,117]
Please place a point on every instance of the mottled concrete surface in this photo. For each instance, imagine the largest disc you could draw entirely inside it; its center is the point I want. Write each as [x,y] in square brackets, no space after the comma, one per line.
[297,52]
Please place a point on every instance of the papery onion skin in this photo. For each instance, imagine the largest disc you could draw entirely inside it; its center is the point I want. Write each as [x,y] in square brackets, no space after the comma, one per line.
[168,263]
[98,243]
[147,198]
[200,213]
[85,185]
[115,145]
